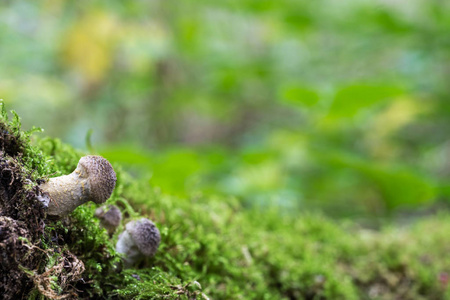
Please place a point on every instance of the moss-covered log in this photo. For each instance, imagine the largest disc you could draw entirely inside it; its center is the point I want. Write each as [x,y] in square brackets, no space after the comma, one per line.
[210,246]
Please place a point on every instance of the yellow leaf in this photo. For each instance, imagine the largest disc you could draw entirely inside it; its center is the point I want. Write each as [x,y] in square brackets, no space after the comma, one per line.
[398,114]
[88,48]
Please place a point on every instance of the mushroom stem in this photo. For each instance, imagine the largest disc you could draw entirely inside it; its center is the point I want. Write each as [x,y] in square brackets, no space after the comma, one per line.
[94,180]
[126,246]
[66,193]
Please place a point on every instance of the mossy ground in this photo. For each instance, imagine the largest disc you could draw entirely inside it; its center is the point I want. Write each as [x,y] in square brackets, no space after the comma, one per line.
[211,247]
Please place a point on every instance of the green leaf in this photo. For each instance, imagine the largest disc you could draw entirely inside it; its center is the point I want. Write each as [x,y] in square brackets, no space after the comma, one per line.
[172,172]
[298,95]
[351,99]
[398,186]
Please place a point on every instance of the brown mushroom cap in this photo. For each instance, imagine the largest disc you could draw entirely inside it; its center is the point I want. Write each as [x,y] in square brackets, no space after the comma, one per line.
[102,178]
[145,235]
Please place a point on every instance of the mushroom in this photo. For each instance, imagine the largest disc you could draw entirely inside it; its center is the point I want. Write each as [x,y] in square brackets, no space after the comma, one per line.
[140,239]
[94,180]
[110,217]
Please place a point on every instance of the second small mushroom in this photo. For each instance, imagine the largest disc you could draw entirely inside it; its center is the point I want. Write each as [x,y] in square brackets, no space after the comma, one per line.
[110,217]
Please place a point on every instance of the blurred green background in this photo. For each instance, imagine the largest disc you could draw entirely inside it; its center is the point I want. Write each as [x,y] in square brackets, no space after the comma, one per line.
[338,106]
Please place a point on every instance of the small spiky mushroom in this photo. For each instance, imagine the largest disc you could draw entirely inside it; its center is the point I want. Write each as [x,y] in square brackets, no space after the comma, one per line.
[94,180]
[110,217]
[140,239]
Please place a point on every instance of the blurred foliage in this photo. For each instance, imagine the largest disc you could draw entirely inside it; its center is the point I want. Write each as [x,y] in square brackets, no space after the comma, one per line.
[306,104]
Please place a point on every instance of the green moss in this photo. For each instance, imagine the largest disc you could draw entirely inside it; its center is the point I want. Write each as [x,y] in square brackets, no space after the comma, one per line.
[213,247]
[236,253]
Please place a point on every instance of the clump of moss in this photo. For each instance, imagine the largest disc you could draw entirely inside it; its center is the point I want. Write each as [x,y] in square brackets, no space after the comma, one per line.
[42,256]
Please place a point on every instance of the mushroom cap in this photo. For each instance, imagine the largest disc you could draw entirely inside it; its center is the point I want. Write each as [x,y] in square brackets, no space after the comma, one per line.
[109,215]
[145,235]
[102,178]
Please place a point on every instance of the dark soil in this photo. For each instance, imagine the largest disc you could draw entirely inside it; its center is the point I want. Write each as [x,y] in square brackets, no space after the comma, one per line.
[21,220]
